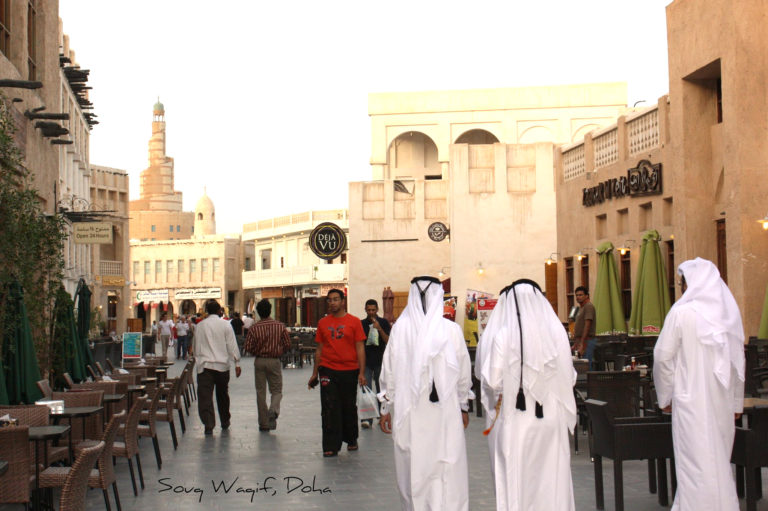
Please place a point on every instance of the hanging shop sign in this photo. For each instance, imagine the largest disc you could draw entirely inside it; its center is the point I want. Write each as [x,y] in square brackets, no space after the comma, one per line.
[152,295]
[327,241]
[437,231]
[197,292]
[645,179]
[92,232]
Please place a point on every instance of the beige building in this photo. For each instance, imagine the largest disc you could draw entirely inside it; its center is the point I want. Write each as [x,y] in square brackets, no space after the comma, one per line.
[157,214]
[478,161]
[286,271]
[709,137]
[110,261]
[179,276]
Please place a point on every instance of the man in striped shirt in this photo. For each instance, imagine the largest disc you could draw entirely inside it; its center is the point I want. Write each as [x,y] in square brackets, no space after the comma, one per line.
[267,340]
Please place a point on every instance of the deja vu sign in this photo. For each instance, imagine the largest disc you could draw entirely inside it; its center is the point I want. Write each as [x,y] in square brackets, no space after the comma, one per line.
[327,241]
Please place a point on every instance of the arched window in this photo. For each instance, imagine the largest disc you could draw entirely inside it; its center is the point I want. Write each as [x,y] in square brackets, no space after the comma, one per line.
[477,137]
[199,216]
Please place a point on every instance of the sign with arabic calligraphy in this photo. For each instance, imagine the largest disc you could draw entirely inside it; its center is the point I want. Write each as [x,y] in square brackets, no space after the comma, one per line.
[92,232]
[645,179]
[152,295]
[197,292]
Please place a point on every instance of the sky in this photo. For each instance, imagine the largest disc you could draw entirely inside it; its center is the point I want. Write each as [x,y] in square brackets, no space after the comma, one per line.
[266,102]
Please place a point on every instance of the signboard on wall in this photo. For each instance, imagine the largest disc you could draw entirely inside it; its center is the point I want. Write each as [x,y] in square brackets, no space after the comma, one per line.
[194,293]
[152,295]
[131,344]
[92,232]
[327,241]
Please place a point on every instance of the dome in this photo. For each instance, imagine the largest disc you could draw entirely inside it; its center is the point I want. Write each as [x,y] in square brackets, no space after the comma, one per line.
[158,106]
[204,205]
[205,216]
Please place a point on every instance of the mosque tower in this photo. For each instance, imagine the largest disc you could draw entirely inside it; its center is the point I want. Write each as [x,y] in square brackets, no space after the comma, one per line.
[205,216]
[157,214]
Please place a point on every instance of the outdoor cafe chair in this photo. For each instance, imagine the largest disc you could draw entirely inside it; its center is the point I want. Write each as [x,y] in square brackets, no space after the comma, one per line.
[16,483]
[76,485]
[94,424]
[148,425]
[101,477]
[129,447]
[68,380]
[92,372]
[100,369]
[45,388]
[36,415]
[168,405]
[629,438]
[110,366]
[750,453]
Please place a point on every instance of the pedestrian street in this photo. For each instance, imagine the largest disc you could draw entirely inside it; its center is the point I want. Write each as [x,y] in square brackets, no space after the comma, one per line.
[285,470]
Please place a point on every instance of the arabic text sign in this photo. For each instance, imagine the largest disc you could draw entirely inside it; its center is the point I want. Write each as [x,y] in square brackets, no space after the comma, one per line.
[152,295]
[197,292]
[92,232]
[132,345]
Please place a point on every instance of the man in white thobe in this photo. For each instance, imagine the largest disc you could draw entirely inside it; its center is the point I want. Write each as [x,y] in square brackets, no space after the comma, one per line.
[425,385]
[699,373]
[527,376]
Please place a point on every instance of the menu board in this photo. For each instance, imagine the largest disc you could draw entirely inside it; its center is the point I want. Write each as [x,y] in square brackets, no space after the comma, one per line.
[132,345]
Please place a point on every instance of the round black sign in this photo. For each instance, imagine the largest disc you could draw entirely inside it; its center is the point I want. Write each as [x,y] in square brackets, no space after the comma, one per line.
[327,241]
[437,231]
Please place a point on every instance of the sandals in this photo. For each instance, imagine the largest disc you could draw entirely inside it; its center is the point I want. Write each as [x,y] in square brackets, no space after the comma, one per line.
[330,454]
[352,447]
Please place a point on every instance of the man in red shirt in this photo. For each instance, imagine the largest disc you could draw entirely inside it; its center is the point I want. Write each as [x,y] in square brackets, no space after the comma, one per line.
[339,367]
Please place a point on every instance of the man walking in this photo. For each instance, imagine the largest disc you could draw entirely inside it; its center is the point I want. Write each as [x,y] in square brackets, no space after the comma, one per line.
[182,329]
[214,347]
[164,332]
[267,340]
[425,387]
[584,329]
[699,373]
[339,368]
[376,332]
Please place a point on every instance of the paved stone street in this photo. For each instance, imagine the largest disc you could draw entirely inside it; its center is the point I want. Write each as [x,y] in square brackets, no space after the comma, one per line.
[289,463]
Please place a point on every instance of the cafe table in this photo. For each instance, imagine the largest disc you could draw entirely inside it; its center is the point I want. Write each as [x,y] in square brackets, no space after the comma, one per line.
[39,434]
[133,389]
[109,400]
[73,412]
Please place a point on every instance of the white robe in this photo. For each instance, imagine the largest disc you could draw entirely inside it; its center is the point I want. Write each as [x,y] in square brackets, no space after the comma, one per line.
[430,450]
[531,456]
[702,413]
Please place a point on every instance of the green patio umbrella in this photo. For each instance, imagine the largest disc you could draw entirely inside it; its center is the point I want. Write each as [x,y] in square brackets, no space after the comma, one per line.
[67,338]
[3,393]
[650,302]
[22,373]
[607,296]
[83,297]
[762,332]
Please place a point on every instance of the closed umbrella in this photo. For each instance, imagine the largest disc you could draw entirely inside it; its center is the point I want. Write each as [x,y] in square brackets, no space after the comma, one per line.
[22,373]
[762,332]
[650,302]
[607,296]
[83,296]
[68,338]
[3,393]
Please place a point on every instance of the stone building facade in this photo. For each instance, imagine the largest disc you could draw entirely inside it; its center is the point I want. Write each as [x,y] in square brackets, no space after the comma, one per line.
[478,161]
[708,135]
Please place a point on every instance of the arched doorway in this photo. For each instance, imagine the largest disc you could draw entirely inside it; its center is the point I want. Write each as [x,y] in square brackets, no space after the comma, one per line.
[188,307]
[477,137]
[141,313]
[413,155]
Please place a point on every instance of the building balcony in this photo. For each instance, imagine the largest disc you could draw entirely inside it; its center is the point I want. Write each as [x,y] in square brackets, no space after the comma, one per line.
[296,276]
[111,268]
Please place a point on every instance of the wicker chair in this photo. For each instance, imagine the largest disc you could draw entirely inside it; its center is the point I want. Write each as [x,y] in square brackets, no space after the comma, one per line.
[100,369]
[628,438]
[620,389]
[129,447]
[108,387]
[15,484]
[181,399]
[91,372]
[191,390]
[94,425]
[148,428]
[37,415]
[45,388]
[168,405]
[750,453]
[73,493]
[55,477]
[68,380]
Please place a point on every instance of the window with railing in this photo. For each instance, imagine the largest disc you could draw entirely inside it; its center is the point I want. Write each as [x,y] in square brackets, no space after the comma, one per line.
[203,269]
[192,269]
[158,270]
[215,263]
[168,269]
[32,39]
[626,282]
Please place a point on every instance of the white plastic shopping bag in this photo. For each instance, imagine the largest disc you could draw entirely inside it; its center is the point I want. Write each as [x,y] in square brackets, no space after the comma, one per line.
[367,404]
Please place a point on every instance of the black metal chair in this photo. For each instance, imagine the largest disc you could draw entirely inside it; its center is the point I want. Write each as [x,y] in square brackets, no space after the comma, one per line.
[750,453]
[629,438]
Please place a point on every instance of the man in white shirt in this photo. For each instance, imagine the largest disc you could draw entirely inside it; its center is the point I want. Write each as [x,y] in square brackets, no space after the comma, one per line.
[214,346]
[164,331]
[181,338]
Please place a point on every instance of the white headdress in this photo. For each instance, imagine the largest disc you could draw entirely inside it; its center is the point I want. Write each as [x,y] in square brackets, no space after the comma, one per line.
[418,335]
[721,325]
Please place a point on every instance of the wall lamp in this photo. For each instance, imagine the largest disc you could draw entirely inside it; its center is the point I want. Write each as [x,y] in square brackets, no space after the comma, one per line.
[764,222]
[443,271]
[581,254]
[480,269]
[553,257]
[626,246]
